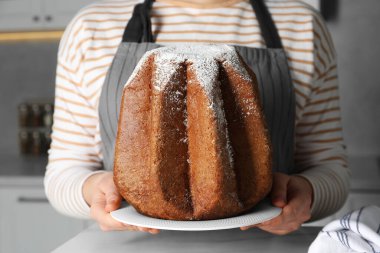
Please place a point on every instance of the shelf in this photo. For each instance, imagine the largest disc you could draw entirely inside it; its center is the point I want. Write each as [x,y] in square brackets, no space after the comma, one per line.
[30,36]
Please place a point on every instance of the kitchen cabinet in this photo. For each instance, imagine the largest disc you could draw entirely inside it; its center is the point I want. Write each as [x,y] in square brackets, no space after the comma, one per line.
[30,224]
[20,15]
[28,15]
[58,13]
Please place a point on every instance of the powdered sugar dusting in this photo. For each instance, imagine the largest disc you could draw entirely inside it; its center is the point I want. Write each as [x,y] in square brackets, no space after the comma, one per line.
[217,106]
[203,58]
[165,69]
[138,68]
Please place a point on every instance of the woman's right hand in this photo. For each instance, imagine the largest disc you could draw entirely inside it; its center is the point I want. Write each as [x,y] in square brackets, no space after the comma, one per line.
[101,195]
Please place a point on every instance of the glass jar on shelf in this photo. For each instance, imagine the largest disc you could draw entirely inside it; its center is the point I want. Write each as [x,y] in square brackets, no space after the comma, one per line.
[24,142]
[48,115]
[23,115]
[36,115]
[36,147]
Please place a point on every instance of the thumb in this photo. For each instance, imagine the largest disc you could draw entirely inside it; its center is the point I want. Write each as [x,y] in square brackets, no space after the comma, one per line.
[113,200]
[279,189]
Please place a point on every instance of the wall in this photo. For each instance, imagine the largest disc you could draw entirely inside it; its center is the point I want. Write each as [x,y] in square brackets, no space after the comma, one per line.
[27,71]
[357,40]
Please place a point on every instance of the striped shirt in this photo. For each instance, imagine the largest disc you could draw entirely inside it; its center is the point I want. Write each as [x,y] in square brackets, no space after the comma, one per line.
[90,42]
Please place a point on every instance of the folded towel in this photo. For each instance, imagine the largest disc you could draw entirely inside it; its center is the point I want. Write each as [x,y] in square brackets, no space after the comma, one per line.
[357,231]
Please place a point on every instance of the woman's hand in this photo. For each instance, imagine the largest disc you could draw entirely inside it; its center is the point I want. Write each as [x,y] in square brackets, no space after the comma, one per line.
[294,194]
[101,195]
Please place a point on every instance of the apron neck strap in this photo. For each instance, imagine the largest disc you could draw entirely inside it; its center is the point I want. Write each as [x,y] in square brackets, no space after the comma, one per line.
[139,27]
[267,26]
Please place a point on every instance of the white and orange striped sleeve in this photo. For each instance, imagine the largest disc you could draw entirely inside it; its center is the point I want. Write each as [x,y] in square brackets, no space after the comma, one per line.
[74,154]
[320,151]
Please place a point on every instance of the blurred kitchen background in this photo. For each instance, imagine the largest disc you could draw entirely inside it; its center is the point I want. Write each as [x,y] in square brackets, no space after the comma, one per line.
[27,69]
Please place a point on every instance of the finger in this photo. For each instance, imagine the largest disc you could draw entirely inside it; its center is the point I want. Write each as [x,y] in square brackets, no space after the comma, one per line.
[289,214]
[290,219]
[110,224]
[282,229]
[149,230]
[106,228]
[107,223]
[247,227]
[104,219]
[279,189]
[153,231]
[275,222]
[113,200]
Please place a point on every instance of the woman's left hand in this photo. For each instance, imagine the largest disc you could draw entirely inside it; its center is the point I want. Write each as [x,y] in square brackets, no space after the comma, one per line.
[294,194]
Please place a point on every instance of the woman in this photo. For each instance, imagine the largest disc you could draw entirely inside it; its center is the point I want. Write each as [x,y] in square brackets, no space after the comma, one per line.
[312,185]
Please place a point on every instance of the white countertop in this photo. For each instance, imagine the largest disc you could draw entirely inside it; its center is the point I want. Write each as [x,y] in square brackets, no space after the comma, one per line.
[234,240]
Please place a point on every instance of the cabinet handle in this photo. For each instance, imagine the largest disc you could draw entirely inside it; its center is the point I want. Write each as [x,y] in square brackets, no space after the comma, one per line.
[48,18]
[32,200]
[36,18]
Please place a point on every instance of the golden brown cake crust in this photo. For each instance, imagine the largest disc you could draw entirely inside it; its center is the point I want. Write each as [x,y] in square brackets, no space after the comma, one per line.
[192,142]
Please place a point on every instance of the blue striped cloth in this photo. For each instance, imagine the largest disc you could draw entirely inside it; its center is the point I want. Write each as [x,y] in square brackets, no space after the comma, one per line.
[357,231]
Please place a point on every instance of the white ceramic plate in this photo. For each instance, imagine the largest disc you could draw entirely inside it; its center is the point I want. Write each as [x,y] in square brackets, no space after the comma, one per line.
[262,212]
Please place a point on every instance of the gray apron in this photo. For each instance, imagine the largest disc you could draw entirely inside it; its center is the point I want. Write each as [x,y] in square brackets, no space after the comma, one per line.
[270,66]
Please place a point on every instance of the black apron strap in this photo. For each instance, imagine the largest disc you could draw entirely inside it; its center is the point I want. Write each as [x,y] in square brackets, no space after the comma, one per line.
[139,27]
[267,26]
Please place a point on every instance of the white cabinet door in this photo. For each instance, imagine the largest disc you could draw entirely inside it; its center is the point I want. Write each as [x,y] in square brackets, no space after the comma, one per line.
[29,15]
[30,224]
[18,15]
[58,13]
